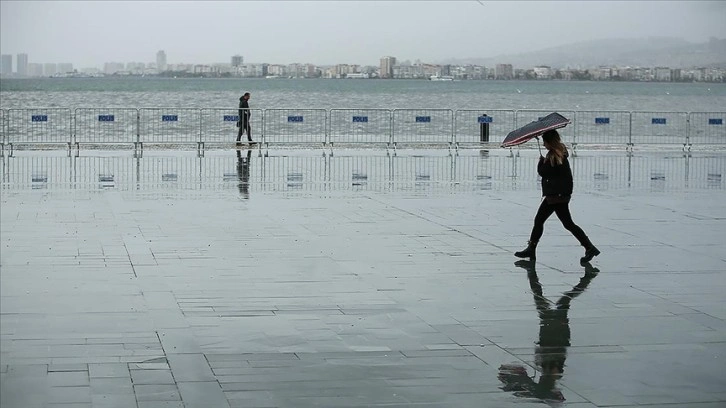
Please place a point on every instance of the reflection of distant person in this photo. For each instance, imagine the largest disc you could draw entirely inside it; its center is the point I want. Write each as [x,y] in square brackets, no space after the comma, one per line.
[556,174]
[244,119]
[554,338]
[243,173]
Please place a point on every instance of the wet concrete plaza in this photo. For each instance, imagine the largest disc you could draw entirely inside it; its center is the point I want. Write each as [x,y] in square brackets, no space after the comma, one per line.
[358,279]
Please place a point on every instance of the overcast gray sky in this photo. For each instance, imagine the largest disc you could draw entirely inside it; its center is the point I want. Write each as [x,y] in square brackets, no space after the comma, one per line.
[89,33]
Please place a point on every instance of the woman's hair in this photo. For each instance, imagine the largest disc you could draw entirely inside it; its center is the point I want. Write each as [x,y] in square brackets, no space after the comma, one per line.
[557,151]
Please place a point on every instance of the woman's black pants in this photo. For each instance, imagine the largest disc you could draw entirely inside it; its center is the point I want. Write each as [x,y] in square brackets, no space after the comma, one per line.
[563,213]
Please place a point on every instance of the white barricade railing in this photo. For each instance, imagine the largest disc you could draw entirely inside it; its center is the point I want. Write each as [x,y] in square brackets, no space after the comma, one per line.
[473,127]
[39,126]
[295,126]
[601,127]
[169,125]
[423,126]
[707,128]
[106,125]
[482,126]
[3,126]
[659,128]
[359,126]
[221,125]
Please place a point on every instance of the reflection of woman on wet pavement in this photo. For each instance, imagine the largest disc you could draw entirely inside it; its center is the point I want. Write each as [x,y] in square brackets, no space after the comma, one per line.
[554,338]
[556,174]
[243,173]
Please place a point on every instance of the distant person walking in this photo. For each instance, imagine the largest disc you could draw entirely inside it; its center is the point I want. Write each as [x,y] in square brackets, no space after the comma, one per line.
[557,189]
[244,119]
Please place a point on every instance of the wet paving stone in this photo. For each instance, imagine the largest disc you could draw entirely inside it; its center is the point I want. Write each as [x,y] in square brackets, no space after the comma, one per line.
[327,292]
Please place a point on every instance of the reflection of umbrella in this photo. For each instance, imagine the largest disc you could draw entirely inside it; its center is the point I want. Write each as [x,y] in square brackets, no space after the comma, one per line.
[535,129]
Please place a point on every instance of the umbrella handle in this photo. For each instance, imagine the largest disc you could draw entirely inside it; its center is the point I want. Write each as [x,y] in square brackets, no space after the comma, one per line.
[538,146]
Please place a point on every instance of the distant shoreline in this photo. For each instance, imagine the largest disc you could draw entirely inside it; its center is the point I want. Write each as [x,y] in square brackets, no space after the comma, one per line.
[160,77]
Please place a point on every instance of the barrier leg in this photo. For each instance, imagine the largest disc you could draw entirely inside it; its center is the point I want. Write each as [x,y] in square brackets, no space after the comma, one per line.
[138,149]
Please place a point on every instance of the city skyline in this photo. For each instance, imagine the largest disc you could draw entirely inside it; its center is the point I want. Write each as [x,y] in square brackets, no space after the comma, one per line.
[389,68]
[326,33]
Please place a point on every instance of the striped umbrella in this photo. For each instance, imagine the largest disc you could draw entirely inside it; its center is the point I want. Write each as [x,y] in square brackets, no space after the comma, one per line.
[535,129]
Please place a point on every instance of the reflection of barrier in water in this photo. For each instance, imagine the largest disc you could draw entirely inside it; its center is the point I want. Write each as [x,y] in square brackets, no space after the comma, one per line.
[469,170]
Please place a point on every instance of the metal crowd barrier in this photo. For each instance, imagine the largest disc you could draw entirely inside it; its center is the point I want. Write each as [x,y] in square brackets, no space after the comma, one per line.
[359,126]
[423,127]
[41,126]
[170,126]
[336,127]
[106,126]
[220,125]
[601,127]
[3,128]
[295,126]
[707,128]
[475,127]
[659,128]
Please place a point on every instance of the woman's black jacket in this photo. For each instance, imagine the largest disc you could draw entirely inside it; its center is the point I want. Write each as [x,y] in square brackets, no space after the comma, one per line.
[557,179]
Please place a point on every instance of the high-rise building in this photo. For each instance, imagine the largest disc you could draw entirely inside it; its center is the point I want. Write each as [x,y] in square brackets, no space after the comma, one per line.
[110,68]
[387,64]
[237,60]
[65,67]
[161,61]
[22,68]
[136,68]
[504,71]
[50,69]
[34,70]
[6,64]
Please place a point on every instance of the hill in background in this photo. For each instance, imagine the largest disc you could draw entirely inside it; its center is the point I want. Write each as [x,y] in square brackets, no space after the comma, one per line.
[635,52]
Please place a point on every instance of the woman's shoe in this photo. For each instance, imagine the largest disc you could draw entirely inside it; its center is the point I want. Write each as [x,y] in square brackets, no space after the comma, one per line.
[529,252]
[589,254]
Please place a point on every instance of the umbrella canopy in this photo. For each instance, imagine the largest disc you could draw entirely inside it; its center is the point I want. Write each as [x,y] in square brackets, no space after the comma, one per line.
[533,129]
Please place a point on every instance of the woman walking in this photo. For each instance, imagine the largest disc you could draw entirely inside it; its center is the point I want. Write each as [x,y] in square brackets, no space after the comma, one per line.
[554,169]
